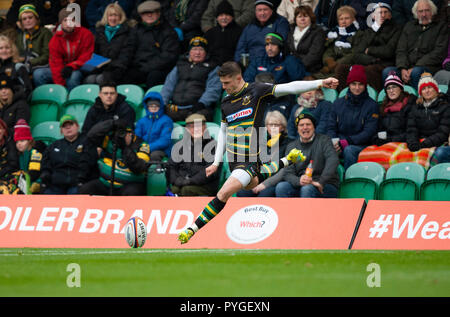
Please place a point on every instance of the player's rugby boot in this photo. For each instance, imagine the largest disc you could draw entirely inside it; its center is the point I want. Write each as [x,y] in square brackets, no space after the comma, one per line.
[185,235]
[295,156]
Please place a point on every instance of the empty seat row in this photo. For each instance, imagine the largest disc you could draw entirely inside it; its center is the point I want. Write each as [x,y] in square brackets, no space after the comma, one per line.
[402,181]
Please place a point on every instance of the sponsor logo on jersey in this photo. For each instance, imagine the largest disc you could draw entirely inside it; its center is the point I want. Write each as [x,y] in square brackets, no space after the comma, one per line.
[240,114]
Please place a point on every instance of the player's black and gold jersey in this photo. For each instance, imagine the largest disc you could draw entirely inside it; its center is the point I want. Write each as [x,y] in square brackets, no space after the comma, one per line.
[243,112]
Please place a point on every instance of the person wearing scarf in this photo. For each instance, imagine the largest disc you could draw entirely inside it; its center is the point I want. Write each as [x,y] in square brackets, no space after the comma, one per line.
[314,102]
[374,47]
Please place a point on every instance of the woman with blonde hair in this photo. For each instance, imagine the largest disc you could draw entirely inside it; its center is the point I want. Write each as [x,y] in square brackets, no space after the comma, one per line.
[10,64]
[277,141]
[110,40]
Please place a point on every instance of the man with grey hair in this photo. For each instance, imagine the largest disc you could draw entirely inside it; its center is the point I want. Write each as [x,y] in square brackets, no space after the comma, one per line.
[402,10]
[422,45]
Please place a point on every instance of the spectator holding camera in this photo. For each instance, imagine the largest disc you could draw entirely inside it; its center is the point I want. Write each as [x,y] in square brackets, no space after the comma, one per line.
[108,104]
[122,159]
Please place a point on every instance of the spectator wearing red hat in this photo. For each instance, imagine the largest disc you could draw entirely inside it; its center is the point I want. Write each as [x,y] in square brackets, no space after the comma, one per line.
[353,118]
[429,120]
[30,153]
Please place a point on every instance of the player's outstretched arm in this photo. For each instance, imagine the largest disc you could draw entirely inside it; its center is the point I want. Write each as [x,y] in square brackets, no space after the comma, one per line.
[300,86]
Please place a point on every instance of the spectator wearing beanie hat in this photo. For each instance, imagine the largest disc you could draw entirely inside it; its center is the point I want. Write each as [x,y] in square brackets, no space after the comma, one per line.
[12,106]
[243,13]
[30,153]
[429,120]
[223,38]
[193,85]
[390,140]
[353,118]
[284,67]
[32,43]
[324,182]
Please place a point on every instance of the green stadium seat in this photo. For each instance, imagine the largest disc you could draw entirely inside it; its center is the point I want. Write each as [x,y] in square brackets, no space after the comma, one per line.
[341,172]
[372,92]
[45,104]
[403,182]
[78,108]
[362,181]
[85,92]
[134,95]
[437,185]
[177,132]
[330,94]
[49,92]
[156,88]
[410,89]
[43,111]
[47,132]
[443,88]
[156,181]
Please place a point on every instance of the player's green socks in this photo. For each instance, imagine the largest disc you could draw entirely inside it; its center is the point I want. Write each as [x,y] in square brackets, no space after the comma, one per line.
[211,210]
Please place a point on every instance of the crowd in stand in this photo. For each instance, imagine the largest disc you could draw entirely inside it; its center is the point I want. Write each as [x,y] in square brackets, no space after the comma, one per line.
[387,46]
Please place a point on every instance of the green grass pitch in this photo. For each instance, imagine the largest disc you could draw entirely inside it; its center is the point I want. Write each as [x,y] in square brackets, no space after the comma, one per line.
[223,273]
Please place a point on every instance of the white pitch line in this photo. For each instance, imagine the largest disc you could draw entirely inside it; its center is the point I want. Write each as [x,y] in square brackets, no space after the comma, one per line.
[21,252]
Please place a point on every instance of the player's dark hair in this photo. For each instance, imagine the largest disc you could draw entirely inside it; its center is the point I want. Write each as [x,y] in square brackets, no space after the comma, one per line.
[229,69]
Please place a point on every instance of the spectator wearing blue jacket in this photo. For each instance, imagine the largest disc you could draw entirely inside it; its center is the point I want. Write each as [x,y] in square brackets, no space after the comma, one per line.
[353,118]
[252,40]
[156,127]
[285,68]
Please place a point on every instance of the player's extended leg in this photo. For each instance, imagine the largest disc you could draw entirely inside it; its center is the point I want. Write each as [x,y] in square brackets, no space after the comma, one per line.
[238,179]
[231,186]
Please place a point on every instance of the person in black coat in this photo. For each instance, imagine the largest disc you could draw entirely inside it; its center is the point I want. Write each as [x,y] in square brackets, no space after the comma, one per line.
[60,162]
[394,112]
[152,48]
[108,105]
[13,106]
[186,17]
[111,37]
[9,158]
[429,119]
[223,38]
[190,156]
[306,40]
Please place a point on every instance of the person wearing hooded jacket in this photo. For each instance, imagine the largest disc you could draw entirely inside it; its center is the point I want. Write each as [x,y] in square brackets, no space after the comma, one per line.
[156,127]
